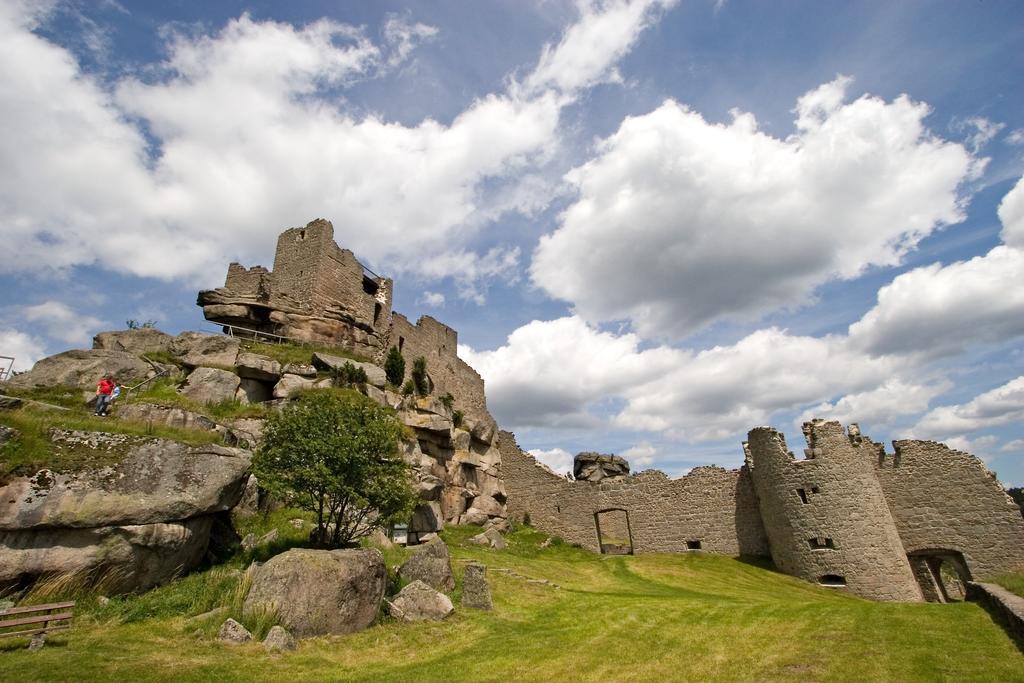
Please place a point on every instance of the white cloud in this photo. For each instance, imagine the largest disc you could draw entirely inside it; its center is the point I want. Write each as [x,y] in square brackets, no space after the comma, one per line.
[61,322]
[680,222]
[562,373]
[1016,136]
[1013,446]
[25,349]
[999,406]
[589,49]
[433,299]
[1011,214]
[980,131]
[472,271]
[558,459]
[639,455]
[981,446]
[247,125]
[895,397]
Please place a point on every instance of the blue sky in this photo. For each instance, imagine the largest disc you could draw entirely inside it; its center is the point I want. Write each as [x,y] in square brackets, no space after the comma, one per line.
[654,223]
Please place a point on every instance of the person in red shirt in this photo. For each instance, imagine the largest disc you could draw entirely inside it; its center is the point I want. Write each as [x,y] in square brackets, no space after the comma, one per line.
[104,394]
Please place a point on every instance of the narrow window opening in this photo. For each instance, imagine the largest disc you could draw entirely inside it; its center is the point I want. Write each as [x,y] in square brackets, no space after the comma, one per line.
[401,343]
[376,313]
[821,544]
[814,489]
[558,508]
[693,545]
[832,581]
[803,496]
[302,234]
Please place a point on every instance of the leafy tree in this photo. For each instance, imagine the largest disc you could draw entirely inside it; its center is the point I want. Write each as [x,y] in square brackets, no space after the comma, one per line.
[394,366]
[335,452]
[1017,493]
[419,376]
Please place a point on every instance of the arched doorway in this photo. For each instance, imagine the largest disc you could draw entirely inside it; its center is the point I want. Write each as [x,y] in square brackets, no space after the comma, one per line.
[941,573]
[614,535]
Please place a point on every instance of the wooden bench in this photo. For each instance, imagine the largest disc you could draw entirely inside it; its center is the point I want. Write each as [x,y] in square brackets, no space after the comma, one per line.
[38,618]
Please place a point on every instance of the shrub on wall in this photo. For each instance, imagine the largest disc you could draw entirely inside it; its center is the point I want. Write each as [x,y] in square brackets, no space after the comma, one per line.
[419,376]
[394,367]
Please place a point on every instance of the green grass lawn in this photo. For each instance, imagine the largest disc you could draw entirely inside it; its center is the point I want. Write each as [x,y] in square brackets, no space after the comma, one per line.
[644,618]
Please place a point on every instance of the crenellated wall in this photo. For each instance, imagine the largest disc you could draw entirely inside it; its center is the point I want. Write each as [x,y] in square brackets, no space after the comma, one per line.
[943,499]
[711,506]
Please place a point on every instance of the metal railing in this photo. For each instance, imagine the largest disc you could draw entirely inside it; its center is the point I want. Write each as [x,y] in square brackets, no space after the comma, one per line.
[6,367]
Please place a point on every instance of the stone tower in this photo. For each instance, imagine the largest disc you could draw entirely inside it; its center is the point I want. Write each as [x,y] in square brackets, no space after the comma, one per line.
[826,516]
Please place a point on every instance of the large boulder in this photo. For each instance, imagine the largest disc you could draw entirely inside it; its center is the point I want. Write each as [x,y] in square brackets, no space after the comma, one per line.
[126,558]
[257,367]
[420,602]
[138,342]
[210,385]
[319,592]
[598,466]
[374,374]
[427,517]
[430,563]
[169,416]
[155,481]
[292,384]
[82,370]
[195,349]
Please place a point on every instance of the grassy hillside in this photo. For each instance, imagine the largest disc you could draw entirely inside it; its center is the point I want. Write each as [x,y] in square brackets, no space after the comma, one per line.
[645,618]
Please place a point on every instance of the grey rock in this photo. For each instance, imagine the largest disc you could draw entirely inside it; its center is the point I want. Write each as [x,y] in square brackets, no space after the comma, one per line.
[137,342]
[376,395]
[420,602]
[38,640]
[210,385]
[10,402]
[257,367]
[427,422]
[278,640]
[155,481]
[479,539]
[427,517]
[297,523]
[291,384]
[195,349]
[430,563]
[598,466]
[374,375]
[495,538]
[317,592]
[234,633]
[82,370]
[428,487]
[136,557]
[7,434]
[149,413]
[476,592]
[249,504]
[247,432]
[474,517]
[300,369]
[488,506]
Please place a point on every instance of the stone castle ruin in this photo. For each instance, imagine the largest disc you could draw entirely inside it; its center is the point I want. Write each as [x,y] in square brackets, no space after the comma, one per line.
[907,526]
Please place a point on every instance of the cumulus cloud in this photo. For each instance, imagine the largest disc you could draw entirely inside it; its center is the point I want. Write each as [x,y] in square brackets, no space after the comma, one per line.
[680,222]
[996,407]
[24,348]
[433,299]
[61,322]
[564,373]
[639,455]
[895,397]
[979,130]
[244,125]
[940,310]
[558,460]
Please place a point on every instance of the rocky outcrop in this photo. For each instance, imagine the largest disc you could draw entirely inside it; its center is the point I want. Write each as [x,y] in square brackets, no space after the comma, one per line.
[82,370]
[320,592]
[167,416]
[257,367]
[598,466]
[195,349]
[420,602]
[431,563]
[156,481]
[138,342]
[133,524]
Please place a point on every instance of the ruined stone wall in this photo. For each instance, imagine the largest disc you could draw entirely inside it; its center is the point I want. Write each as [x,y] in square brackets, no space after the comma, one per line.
[297,264]
[438,344]
[711,506]
[248,282]
[944,499]
[826,516]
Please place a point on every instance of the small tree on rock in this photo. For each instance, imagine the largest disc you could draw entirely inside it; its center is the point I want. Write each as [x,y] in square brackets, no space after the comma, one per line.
[394,367]
[420,380]
[335,452]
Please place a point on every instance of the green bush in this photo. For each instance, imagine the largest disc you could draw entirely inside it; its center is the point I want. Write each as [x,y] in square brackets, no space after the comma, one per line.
[408,389]
[349,374]
[457,417]
[394,367]
[447,400]
[336,454]
[420,380]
